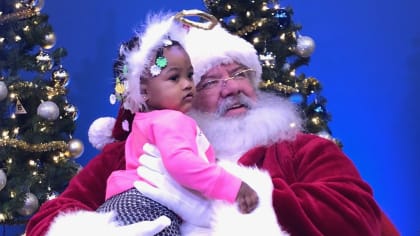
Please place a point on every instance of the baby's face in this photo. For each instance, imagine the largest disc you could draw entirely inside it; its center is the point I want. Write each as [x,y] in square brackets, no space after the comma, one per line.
[174,87]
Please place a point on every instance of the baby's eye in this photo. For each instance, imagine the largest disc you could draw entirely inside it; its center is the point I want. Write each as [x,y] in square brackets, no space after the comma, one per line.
[190,75]
[174,78]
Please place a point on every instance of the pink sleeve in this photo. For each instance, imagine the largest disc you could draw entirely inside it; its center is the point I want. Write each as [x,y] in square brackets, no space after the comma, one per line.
[175,136]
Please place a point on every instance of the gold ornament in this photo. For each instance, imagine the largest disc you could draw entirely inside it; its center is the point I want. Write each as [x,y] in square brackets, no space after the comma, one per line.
[49,41]
[60,77]
[71,111]
[311,84]
[30,205]
[75,148]
[44,61]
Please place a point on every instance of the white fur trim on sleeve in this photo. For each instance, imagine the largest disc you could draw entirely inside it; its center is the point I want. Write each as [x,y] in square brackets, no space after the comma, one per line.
[83,223]
[229,221]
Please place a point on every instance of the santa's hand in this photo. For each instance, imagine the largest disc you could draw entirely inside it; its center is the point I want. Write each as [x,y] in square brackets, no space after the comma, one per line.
[104,224]
[189,206]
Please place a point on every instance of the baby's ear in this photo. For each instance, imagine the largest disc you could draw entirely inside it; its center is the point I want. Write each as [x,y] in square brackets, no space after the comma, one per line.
[143,89]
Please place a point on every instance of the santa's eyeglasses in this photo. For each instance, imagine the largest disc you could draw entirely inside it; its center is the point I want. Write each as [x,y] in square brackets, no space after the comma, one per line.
[211,83]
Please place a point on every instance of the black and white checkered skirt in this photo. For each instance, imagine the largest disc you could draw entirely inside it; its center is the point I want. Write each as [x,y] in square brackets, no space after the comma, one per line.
[132,206]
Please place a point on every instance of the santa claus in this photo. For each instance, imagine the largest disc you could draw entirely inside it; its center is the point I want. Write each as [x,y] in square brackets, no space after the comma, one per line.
[306,184]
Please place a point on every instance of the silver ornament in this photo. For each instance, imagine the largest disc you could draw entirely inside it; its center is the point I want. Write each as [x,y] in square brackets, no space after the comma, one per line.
[305,46]
[30,205]
[76,148]
[3,179]
[48,110]
[3,90]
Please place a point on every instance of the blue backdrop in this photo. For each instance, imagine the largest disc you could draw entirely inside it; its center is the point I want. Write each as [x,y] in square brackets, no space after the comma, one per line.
[367,57]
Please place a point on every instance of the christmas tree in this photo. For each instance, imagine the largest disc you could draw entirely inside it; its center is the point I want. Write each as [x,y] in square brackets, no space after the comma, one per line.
[282,50]
[37,150]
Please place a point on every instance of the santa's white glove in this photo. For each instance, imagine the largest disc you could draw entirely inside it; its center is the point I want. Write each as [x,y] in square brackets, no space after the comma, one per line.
[191,207]
[104,224]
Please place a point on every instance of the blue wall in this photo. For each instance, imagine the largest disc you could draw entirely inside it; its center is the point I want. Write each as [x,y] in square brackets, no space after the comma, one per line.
[367,57]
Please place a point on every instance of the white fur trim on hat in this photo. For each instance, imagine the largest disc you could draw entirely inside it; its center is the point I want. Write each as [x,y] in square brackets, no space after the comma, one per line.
[209,48]
[157,28]
[100,132]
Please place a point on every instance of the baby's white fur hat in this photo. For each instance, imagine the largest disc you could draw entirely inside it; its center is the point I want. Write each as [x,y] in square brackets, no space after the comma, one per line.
[157,28]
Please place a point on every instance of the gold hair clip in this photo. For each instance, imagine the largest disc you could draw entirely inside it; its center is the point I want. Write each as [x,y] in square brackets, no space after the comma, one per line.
[209,24]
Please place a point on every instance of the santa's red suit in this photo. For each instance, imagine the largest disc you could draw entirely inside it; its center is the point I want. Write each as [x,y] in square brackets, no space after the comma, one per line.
[317,189]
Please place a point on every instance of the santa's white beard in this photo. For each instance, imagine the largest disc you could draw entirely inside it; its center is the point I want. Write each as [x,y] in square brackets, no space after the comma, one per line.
[270,119]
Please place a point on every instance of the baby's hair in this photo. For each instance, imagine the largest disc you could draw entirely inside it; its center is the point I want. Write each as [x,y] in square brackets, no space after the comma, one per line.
[125,47]
[120,61]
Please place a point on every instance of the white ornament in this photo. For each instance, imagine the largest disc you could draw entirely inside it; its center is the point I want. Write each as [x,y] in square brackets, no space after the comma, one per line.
[48,110]
[3,179]
[3,90]
[30,205]
[305,46]
[112,99]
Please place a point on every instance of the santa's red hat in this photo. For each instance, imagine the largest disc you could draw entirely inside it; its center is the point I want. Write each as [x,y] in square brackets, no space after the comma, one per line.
[105,130]
[209,48]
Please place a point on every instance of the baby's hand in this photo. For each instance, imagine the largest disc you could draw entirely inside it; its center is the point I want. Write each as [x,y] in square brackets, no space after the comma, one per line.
[247,199]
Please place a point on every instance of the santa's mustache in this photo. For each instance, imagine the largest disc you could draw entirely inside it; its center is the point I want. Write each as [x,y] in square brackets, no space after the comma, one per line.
[233,101]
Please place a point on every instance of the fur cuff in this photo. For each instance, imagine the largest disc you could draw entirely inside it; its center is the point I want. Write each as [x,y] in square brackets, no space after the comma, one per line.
[229,221]
[83,223]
